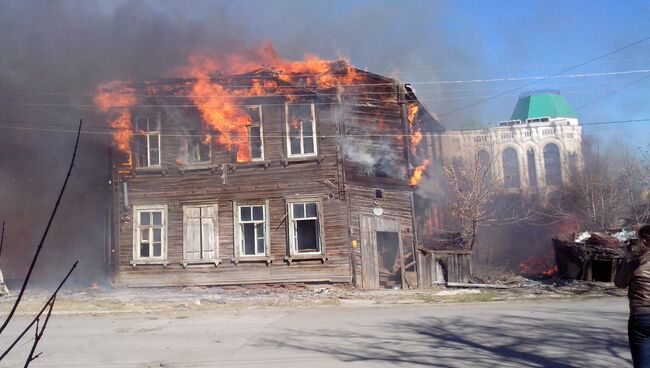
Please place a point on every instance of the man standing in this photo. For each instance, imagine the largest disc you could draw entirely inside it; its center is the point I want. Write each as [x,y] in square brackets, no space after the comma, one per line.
[634,273]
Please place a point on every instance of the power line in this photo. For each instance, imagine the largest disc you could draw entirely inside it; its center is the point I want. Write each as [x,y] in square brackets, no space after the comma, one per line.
[549,77]
[60,127]
[443,82]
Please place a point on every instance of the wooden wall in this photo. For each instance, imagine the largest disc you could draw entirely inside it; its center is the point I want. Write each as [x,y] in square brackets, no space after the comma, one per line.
[396,204]
[277,179]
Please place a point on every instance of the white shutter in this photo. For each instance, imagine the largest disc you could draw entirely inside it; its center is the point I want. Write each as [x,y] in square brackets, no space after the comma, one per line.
[209,231]
[191,235]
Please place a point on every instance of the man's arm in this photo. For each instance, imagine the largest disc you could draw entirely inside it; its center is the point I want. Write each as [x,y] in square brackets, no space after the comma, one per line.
[625,271]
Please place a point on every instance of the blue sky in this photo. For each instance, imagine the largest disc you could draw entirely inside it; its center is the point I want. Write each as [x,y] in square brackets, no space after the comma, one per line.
[426,42]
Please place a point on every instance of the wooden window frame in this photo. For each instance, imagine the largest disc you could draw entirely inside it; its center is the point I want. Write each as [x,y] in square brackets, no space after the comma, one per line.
[238,249]
[261,126]
[148,134]
[302,137]
[215,258]
[292,228]
[136,259]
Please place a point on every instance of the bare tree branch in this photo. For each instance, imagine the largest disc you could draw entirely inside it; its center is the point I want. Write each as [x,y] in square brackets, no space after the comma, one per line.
[49,302]
[38,333]
[47,229]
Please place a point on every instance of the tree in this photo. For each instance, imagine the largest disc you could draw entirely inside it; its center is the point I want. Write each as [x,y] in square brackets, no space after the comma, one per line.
[608,192]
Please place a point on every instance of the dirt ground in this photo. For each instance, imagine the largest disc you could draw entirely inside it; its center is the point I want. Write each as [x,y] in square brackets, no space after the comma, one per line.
[129,300]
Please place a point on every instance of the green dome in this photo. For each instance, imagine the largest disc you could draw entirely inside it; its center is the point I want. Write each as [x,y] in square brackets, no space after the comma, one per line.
[542,104]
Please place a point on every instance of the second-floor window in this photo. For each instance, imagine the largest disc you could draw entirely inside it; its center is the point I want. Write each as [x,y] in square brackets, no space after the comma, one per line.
[255,133]
[197,149]
[147,139]
[301,130]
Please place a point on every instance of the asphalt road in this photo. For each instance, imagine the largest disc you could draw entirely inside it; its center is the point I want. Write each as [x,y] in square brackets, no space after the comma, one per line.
[578,333]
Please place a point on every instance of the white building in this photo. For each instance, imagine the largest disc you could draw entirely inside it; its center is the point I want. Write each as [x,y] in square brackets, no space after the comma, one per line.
[538,149]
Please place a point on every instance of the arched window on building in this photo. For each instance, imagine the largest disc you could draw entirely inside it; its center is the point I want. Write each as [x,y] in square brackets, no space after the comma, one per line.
[510,163]
[552,164]
[532,169]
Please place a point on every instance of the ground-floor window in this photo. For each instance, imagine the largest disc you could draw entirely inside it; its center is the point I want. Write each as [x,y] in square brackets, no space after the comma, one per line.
[200,232]
[149,233]
[304,227]
[251,230]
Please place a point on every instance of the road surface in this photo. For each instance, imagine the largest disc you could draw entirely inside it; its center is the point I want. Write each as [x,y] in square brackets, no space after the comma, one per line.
[566,333]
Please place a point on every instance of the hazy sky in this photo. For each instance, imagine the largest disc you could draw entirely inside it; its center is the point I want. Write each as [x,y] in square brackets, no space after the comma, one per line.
[54,53]
[427,43]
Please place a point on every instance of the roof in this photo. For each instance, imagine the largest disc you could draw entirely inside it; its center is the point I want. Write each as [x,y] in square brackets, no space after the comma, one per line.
[542,104]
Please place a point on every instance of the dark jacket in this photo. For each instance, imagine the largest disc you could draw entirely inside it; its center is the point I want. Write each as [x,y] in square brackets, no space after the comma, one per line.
[634,273]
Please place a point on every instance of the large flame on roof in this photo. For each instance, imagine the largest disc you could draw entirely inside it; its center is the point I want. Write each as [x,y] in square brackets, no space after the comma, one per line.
[221,105]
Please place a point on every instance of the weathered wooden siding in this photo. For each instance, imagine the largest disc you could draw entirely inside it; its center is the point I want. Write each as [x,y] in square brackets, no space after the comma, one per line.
[376,142]
[276,179]
[396,204]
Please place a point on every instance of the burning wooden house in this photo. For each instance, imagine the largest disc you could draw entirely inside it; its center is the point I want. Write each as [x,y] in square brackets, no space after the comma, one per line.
[297,172]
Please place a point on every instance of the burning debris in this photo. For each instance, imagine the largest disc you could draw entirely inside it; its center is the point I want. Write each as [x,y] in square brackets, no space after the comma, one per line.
[591,256]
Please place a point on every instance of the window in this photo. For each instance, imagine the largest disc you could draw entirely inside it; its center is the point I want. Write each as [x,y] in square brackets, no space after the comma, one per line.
[149,233]
[508,135]
[147,139]
[510,162]
[197,149]
[200,234]
[255,133]
[552,165]
[252,230]
[527,133]
[301,130]
[532,169]
[304,231]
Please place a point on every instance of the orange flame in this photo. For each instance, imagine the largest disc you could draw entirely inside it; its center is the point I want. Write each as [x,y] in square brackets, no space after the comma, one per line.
[417,173]
[412,112]
[220,105]
[117,97]
[221,114]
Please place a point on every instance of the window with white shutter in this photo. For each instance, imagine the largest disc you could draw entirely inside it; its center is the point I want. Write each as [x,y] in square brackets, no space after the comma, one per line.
[200,233]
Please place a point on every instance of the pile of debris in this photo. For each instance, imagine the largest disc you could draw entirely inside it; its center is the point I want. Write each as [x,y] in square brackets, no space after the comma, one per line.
[591,256]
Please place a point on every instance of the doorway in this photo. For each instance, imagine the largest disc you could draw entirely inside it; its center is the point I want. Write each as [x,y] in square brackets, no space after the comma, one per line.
[381,253]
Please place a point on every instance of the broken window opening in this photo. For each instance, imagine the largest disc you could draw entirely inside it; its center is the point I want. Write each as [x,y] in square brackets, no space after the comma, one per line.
[255,133]
[301,130]
[305,228]
[198,148]
[201,233]
[147,139]
[149,233]
[252,230]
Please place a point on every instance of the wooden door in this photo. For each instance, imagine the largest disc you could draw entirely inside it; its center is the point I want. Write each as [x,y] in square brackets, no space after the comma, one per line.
[369,226]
